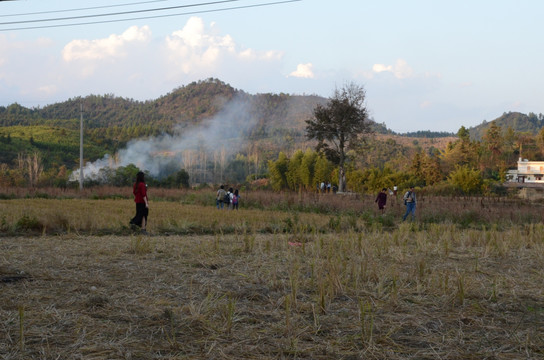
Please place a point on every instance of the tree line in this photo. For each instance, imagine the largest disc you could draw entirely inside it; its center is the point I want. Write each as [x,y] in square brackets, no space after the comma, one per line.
[344,134]
[330,140]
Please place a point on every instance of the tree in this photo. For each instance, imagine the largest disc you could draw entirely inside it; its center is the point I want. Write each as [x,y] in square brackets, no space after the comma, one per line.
[323,169]
[493,142]
[463,151]
[340,125]
[307,168]
[278,171]
[180,179]
[430,169]
[293,170]
[468,180]
[35,168]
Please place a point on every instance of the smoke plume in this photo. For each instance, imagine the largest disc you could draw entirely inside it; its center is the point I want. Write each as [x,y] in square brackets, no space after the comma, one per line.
[213,140]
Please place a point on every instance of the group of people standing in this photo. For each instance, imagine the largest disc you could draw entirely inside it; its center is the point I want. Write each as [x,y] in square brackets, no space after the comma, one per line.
[228,199]
[324,187]
[409,199]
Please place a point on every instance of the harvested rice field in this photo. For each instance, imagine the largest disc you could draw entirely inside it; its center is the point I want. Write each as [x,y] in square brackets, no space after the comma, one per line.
[442,293]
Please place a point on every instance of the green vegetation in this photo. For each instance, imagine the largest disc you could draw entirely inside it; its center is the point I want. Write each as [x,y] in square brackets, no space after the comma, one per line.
[339,126]
[516,121]
[291,274]
[39,147]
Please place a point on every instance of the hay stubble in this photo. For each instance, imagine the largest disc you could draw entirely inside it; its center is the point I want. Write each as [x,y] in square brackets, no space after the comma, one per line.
[442,293]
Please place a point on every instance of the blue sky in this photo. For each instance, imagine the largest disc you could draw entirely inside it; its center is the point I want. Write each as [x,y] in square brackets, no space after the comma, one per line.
[425,65]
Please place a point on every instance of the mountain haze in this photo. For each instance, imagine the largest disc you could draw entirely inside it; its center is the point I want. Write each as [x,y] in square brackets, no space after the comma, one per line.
[518,122]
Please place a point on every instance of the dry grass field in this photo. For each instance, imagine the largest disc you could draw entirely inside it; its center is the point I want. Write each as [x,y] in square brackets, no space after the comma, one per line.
[440,294]
[264,283]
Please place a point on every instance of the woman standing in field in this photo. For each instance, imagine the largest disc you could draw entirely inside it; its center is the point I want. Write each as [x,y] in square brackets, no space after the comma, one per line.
[235,199]
[381,199]
[142,205]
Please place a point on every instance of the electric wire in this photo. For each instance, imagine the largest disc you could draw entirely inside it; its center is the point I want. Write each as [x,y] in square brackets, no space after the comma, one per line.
[116,13]
[152,17]
[79,9]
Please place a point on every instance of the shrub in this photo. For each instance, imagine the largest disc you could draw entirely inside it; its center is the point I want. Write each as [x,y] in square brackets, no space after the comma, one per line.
[467,179]
[28,223]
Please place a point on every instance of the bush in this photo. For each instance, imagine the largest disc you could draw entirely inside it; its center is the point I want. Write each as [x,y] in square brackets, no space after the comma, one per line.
[28,223]
[467,179]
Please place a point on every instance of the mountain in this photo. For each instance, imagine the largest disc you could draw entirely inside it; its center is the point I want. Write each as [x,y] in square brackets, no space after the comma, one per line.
[518,122]
[257,126]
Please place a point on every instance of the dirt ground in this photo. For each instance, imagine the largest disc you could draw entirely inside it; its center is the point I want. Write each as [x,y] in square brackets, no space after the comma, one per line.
[401,295]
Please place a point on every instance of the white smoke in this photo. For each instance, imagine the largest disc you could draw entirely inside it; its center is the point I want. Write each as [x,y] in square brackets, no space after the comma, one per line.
[219,137]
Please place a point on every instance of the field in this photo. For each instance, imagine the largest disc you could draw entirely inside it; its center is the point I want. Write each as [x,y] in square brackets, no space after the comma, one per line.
[289,276]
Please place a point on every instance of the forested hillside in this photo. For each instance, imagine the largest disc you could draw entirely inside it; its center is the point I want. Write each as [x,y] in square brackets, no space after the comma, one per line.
[516,121]
[269,122]
[210,132]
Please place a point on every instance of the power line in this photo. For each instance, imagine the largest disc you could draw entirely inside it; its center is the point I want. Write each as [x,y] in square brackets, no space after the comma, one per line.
[80,9]
[116,13]
[152,17]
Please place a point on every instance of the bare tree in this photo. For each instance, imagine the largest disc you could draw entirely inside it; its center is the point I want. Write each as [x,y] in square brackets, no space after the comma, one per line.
[189,159]
[35,168]
[340,125]
[223,161]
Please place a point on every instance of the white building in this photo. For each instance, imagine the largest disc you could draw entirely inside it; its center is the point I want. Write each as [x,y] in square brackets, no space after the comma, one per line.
[527,172]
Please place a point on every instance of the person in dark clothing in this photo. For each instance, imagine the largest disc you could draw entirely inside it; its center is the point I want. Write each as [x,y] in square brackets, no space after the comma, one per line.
[142,204]
[381,199]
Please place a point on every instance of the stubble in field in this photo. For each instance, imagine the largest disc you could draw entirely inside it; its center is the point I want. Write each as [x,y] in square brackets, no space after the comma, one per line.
[442,293]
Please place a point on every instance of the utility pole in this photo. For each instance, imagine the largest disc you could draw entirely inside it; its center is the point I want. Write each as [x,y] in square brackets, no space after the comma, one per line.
[81,146]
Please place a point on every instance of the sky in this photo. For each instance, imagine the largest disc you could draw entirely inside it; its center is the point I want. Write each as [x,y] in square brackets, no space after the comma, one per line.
[424,64]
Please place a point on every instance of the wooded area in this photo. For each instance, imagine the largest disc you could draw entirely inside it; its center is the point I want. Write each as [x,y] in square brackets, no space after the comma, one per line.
[40,146]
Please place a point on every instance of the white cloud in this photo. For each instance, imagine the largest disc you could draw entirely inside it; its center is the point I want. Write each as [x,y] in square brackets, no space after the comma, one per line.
[192,48]
[517,104]
[47,89]
[133,64]
[401,69]
[113,46]
[425,104]
[196,49]
[303,71]
[381,68]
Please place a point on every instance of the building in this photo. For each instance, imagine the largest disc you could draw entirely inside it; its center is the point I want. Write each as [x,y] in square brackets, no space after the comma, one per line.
[527,172]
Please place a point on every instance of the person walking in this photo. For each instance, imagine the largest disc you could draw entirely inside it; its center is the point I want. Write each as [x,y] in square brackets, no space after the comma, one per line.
[410,202]
[139,189]
[219,199]
[381,199]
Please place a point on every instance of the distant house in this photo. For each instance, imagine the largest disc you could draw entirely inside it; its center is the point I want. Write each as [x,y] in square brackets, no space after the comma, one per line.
[527,172]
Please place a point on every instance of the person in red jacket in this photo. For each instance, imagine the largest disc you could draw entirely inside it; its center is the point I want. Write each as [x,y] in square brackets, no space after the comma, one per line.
[142,205]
